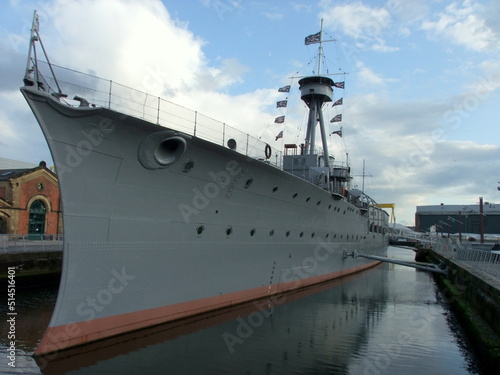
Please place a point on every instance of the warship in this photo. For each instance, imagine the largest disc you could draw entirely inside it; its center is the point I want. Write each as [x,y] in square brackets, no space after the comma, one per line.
[169,214]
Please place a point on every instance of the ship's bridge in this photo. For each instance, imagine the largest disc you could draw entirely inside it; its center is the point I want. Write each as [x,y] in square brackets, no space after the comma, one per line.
[312,167]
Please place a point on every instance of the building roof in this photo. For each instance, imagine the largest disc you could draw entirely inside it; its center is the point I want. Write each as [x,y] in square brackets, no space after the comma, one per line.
[7,174]
[454,209]
[15,164]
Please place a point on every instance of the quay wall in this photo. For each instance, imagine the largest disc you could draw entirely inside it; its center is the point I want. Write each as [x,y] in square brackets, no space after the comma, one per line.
[32,268]
[475,299]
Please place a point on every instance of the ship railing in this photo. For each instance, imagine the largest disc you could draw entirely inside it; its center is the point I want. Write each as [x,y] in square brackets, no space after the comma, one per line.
[484,263]
[99,92]
[28,243]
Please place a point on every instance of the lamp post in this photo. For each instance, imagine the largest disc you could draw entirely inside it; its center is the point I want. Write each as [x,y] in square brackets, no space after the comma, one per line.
[448,225]
[459,227]
[481,219]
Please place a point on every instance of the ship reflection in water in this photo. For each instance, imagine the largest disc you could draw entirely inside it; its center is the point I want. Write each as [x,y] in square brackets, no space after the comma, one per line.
[387,320]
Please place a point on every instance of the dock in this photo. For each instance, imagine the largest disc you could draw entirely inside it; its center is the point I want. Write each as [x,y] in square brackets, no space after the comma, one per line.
[37,262]
[471,287]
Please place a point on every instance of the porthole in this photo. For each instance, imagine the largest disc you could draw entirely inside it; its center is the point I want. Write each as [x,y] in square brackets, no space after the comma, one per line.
[344,212]
[313,234]
[308,199]
[301,234]
[335,236]
[229,230]
[271,232]
[329,206]
[319,202]
[252,232]
[327,235]
[248,183]
[287,233]
[231,143]
[200,229]
[294,196]
[275,189]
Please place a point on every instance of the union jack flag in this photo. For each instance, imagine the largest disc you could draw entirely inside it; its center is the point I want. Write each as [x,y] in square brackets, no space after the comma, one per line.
[337,118]
[314,38]
[279,120]
[338,102]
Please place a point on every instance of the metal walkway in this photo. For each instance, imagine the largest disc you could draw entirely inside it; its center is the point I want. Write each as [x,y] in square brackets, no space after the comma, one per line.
[482,262]
[424,238]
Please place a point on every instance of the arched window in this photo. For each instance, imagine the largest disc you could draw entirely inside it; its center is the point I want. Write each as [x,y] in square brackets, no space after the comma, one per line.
[3,225]
[37,220]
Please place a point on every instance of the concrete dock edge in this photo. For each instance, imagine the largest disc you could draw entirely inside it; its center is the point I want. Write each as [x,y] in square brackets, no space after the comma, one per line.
[476,303]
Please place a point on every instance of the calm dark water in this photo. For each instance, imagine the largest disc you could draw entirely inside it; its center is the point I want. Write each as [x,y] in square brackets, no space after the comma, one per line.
[388,320]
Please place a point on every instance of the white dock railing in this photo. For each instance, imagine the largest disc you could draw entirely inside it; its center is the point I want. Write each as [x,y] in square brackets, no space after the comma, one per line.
[27,243]
[483,262]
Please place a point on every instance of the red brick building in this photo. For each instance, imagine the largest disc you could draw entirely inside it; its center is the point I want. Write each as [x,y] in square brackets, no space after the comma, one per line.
[29,202]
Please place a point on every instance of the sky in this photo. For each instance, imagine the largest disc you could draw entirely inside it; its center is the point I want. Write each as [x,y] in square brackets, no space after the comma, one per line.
[421,102]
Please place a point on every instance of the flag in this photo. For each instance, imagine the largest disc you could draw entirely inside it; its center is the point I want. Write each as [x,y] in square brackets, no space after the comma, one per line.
[338,132]
[281,103]
[340,85]
[314,38]
[280,135]
[284,89]
[337,118]
[279,120]
[338,102]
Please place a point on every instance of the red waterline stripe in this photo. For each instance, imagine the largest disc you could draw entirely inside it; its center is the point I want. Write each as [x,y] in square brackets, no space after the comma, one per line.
[70,335]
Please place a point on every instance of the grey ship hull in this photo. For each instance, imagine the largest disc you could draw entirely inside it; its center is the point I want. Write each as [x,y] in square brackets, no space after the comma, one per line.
[160,230]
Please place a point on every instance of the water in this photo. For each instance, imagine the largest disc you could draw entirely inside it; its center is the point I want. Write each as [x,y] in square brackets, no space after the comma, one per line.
[388,320]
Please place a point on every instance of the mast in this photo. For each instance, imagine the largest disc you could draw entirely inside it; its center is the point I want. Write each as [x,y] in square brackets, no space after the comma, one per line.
[32,64]
[315,91]
[320,48]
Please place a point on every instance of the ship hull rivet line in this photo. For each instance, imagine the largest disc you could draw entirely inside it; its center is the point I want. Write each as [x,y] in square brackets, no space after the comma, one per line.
[436,268]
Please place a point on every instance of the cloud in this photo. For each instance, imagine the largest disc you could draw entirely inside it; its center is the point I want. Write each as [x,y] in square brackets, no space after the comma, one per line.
[18,130]
[369,77]
[446,172]
[410,153]
[359,21]
[129,41]
[465,25]
[274,16]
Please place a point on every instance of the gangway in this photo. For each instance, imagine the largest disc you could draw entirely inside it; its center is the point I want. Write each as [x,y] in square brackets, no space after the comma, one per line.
[425,238]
